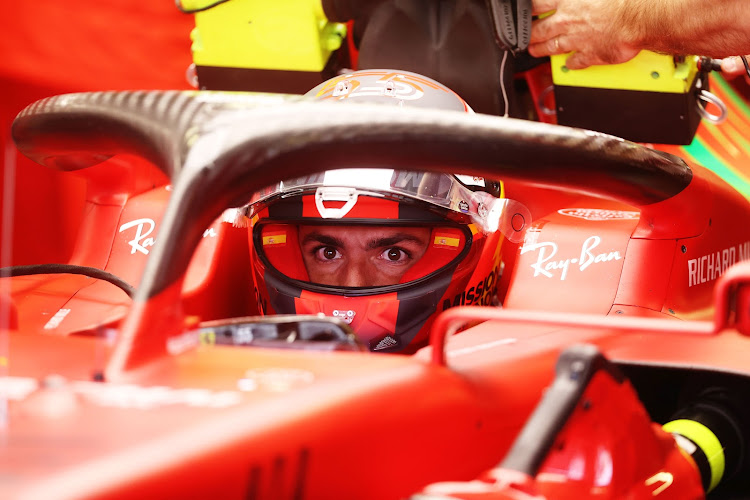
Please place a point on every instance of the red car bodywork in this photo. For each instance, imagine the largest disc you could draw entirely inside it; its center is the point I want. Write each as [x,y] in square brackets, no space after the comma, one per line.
[119,398]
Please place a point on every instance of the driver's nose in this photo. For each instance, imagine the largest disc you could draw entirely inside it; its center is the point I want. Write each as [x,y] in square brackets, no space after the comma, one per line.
[356,274]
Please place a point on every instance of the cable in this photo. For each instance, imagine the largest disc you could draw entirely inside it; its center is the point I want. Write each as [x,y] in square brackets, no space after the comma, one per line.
[502,82]
[91,272]
[178,3]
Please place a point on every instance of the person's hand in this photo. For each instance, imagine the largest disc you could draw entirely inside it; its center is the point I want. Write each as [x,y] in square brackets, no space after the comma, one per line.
[588,28]
[732,67]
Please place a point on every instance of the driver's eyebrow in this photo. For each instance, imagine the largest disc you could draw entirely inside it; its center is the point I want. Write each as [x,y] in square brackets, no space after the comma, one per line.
[388,241]
[324,239]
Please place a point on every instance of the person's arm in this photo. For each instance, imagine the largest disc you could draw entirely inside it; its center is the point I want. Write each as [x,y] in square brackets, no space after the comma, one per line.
[614,31]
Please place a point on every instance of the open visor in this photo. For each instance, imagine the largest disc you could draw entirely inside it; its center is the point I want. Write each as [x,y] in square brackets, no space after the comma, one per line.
[462,198]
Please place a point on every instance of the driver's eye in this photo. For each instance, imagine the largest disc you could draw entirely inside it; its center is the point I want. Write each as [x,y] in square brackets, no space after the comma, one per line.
[328,253]
[396,255]
[393,254]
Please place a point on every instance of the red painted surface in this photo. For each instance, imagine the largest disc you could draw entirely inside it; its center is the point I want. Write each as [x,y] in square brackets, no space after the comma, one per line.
[52,48]
[176,418]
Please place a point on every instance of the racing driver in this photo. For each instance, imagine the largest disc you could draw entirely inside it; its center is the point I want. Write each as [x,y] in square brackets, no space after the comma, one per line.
[383,250]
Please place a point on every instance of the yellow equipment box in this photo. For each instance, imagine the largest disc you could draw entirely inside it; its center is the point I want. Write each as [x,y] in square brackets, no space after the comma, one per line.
[263,45]
[651,98]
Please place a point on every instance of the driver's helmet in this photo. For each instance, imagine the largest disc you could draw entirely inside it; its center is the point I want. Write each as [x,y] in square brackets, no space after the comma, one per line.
[383,250]
[384,86]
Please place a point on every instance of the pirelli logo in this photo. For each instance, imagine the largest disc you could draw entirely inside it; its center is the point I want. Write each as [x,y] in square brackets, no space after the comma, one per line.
[274,239]
[445,240]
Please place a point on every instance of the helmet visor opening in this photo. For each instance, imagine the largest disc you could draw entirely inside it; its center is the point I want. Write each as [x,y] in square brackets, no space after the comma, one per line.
[351,255]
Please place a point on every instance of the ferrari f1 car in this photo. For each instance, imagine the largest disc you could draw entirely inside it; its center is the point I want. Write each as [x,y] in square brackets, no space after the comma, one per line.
[147,372]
